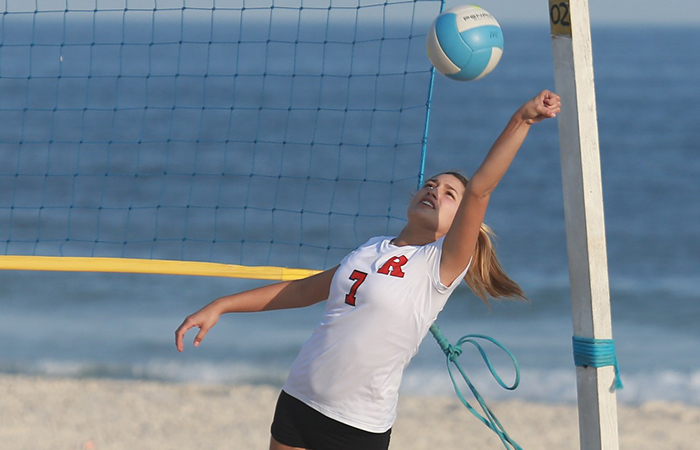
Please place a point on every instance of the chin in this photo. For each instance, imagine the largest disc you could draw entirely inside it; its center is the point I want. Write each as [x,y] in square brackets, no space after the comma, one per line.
[423,216]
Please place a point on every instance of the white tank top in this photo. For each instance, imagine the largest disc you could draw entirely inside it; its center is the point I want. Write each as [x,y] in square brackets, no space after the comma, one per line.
[383,300]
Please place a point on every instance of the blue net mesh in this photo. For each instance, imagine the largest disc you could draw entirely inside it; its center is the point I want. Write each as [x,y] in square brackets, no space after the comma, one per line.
[243,132]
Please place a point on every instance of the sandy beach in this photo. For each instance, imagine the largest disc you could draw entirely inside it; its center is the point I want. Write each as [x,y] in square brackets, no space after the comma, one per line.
[69,414]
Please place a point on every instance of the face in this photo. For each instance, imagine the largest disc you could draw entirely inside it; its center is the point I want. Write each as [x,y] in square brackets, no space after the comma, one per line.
[436,203]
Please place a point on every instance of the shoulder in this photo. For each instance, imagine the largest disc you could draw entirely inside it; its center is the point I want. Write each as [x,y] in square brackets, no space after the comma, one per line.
[375,245]
[434,247]
[376,241]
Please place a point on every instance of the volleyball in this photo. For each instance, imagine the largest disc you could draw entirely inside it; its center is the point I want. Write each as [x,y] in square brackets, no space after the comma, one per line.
[465,43]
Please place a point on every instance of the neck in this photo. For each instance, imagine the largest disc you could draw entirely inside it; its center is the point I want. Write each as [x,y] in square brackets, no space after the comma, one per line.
[410,236]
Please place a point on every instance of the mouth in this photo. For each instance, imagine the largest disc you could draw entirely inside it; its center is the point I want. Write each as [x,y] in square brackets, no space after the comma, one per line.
[428,203]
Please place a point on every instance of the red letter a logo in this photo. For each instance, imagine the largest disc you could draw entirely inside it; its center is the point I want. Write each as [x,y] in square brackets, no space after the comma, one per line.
[393,266]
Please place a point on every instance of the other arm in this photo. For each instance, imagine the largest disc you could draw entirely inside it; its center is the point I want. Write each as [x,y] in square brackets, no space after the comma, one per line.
[282,295]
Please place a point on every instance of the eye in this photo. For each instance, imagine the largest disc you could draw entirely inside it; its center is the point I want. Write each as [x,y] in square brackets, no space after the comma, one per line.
[451,194]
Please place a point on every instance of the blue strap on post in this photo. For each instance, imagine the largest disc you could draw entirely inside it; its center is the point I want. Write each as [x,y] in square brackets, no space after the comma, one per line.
[452,352]
[597,353]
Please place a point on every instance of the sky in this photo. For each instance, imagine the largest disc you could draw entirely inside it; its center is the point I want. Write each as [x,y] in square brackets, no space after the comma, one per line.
[603,12]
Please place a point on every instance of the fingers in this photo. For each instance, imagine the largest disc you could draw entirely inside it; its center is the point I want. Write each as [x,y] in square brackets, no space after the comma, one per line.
[188,324]
[551,101]
[548,104]
[200,336]
[545,105]
[180,334]
[203,319]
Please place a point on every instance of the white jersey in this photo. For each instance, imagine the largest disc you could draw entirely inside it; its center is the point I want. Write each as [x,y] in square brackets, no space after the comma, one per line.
[383,300]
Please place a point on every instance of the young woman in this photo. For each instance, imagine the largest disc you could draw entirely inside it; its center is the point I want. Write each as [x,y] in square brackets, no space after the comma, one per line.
[342,390]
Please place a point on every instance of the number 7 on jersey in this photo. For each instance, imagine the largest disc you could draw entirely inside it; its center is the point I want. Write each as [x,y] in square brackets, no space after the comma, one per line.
[359,278]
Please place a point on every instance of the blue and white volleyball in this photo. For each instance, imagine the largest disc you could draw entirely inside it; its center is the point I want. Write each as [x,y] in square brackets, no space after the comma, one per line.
[465,43]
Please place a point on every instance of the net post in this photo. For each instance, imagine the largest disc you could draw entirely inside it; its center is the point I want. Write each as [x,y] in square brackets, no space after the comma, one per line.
[583,209]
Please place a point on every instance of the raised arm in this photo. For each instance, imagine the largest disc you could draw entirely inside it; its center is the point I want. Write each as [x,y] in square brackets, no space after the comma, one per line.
[282,295]
[462,236]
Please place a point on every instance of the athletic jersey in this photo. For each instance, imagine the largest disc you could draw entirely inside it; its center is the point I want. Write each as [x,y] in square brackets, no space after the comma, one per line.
[382,301]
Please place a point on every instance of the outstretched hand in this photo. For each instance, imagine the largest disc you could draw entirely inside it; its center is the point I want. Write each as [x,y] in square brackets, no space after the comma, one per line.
[544,105]
[203,319]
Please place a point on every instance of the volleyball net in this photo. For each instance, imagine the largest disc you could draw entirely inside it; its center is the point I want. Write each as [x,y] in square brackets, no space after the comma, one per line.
[227,138]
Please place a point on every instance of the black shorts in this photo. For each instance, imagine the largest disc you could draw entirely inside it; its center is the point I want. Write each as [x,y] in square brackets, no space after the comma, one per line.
[298,425]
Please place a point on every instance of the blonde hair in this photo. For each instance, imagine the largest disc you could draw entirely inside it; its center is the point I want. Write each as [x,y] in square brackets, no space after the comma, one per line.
[486,277]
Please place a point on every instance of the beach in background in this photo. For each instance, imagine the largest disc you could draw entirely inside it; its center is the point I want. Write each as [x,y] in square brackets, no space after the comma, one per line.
[56,414]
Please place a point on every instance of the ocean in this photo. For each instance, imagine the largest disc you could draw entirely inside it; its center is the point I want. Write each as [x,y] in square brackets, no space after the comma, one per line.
[647,85]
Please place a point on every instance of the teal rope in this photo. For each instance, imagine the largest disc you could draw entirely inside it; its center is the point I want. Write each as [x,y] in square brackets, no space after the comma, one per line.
[452,352]
[428,108]
[597,353]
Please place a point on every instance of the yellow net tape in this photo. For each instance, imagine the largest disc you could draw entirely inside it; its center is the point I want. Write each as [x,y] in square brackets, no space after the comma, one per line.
[151,266]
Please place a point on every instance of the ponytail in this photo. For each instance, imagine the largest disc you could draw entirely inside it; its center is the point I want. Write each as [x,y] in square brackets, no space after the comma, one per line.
[485,277]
